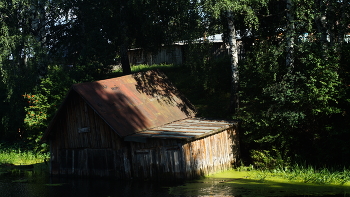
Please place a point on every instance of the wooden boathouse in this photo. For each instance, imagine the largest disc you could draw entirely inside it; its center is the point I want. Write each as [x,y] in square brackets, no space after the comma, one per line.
[136,126]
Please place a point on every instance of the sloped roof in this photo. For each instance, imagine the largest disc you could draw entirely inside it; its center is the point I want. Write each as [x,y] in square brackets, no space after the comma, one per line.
[136,102]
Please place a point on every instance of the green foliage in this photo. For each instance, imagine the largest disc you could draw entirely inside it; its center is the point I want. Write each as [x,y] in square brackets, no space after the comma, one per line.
[245,8]
[289,110]
[16,156]
[153,23]
[37,111]
[43,103]
[269,160]
[22,61]
[209,67]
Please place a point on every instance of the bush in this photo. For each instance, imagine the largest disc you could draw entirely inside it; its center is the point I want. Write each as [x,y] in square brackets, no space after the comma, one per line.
[291,110]
[43,102]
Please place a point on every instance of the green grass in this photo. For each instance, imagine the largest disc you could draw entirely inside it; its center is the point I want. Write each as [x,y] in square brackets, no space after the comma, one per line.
[318,176]
[145,67]
[18,157]
[248,182]
[302,175]
[142,67]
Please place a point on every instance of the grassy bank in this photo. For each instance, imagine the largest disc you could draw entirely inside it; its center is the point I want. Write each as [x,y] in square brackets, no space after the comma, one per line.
[250,182]
[300,174]
[10,156]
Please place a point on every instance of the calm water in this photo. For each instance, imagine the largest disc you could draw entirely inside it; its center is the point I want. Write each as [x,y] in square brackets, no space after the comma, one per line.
[37,183]
[23,183]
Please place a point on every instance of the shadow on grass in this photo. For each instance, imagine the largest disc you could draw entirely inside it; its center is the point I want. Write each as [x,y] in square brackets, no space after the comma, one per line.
[10,169]
[37,166]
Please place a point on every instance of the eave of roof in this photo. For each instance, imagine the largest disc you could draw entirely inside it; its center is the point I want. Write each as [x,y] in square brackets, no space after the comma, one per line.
[187,129]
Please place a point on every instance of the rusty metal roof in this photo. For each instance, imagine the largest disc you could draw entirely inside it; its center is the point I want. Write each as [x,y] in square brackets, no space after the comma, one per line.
[136,102]
[188,129]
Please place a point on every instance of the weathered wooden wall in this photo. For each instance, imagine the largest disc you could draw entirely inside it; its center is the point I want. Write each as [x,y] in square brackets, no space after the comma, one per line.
[72,147]
[178,54]
[84,145]
[182,160]
[166,54]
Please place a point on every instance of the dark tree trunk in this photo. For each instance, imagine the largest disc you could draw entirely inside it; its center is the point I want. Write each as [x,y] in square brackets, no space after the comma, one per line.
[124,38]
[125,59]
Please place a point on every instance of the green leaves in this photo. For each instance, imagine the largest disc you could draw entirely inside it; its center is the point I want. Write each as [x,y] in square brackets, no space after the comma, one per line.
[43,102]
[247,9]
[292,110]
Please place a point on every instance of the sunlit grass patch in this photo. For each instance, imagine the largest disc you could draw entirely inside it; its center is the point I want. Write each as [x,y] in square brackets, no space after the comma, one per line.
[145,67]
[18,157]
[317,176]
[296,174]
[247,181]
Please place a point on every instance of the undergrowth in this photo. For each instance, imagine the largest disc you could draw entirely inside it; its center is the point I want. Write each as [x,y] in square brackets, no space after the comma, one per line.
[312,175]
[274,164]
[299,173]
[16,156]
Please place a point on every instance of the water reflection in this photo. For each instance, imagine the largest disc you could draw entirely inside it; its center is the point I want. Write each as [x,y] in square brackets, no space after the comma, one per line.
[37,183]
[30,183]
[252,188]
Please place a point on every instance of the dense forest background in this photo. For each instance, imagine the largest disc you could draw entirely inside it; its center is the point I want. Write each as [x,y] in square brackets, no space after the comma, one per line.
[290,90]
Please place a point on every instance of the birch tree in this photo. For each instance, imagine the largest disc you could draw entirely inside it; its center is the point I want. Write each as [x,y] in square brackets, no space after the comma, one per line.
[232,12]
[22,57]
[231,41]
[290,35]
[294,80]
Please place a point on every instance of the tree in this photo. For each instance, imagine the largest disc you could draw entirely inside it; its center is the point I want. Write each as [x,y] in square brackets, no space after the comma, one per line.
[20,51]
[234,14]
[290,35]
[82,40]
[152,24]
[116,26]
[292,98]
[124,46]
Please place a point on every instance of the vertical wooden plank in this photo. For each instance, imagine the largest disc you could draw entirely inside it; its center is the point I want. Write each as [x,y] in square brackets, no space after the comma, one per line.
[75,141]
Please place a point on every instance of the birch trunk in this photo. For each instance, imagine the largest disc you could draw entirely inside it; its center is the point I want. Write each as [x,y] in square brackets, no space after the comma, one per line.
[290,36]
[342,32]
[321,23]
[39,30]
[233,52]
